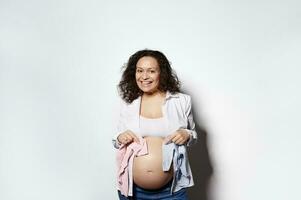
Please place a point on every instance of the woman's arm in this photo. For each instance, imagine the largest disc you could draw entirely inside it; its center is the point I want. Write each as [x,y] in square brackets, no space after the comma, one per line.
[120,127]
[191,125]
[184,135]
[123,135]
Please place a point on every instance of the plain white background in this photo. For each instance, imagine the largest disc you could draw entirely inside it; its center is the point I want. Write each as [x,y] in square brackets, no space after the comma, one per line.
[60,63]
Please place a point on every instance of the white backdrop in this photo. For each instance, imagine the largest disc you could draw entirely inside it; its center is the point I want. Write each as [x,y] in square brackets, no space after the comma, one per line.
[60,63]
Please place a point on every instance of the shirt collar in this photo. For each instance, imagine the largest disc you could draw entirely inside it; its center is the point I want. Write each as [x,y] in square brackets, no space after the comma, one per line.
[170,95]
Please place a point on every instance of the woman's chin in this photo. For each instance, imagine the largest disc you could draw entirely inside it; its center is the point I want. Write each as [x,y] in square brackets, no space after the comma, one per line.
[150,91]
[147,90]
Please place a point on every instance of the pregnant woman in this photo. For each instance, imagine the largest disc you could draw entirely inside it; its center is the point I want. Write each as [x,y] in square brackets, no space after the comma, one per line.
[155,127]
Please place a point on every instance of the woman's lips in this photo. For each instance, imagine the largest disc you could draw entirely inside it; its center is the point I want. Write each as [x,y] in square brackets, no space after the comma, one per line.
[146,83]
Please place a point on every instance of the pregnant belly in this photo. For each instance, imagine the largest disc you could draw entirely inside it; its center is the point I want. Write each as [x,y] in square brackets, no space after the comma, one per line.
[147,169]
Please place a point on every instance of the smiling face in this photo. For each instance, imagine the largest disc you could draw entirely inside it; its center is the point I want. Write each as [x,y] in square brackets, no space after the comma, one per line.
[147,74]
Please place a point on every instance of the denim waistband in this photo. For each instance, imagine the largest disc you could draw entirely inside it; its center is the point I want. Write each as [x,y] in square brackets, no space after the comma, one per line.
[166,187]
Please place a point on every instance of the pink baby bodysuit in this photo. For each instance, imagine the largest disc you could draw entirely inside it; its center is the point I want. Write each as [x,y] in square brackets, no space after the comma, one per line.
[125,157]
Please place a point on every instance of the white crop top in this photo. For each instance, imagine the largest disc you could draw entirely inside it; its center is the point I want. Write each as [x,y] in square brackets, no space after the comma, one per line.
[153,127]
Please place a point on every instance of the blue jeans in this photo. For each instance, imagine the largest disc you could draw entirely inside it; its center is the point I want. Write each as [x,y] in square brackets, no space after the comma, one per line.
[160,194]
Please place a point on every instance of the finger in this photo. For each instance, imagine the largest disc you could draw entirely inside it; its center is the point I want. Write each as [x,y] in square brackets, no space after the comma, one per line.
[130,134]
[182,138]
[119,139]
[176,138]
[127,141]
[179,141]
[122,138]
[168,139]
[134,137]
[129,138]
[125,138]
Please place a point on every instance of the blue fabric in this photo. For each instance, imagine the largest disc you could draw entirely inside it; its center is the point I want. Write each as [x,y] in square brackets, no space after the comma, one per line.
[177,155]
[160,194]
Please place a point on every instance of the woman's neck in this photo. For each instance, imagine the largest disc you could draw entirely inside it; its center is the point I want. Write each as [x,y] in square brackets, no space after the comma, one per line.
[156,94]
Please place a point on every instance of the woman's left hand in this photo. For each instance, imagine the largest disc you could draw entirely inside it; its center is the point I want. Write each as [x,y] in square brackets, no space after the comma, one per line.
[179,137]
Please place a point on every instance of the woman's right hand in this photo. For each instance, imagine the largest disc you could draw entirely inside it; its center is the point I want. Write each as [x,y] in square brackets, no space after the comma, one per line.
[127,137]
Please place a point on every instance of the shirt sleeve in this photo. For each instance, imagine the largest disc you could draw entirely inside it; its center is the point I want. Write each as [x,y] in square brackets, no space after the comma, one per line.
[191,125]
[120,127]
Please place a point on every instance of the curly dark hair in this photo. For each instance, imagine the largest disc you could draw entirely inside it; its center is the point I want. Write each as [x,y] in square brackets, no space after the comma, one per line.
[168,80]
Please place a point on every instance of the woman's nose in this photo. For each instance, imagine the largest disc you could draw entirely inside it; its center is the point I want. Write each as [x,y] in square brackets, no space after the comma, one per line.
[144,75]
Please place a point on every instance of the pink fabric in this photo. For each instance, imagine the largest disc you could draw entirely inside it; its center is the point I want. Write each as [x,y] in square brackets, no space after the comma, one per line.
[125,157]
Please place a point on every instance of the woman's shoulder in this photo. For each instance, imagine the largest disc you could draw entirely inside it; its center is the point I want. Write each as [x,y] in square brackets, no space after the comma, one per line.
[126,105]
[182,96]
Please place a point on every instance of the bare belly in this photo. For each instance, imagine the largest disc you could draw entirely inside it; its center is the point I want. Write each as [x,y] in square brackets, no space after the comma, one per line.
[147,169]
